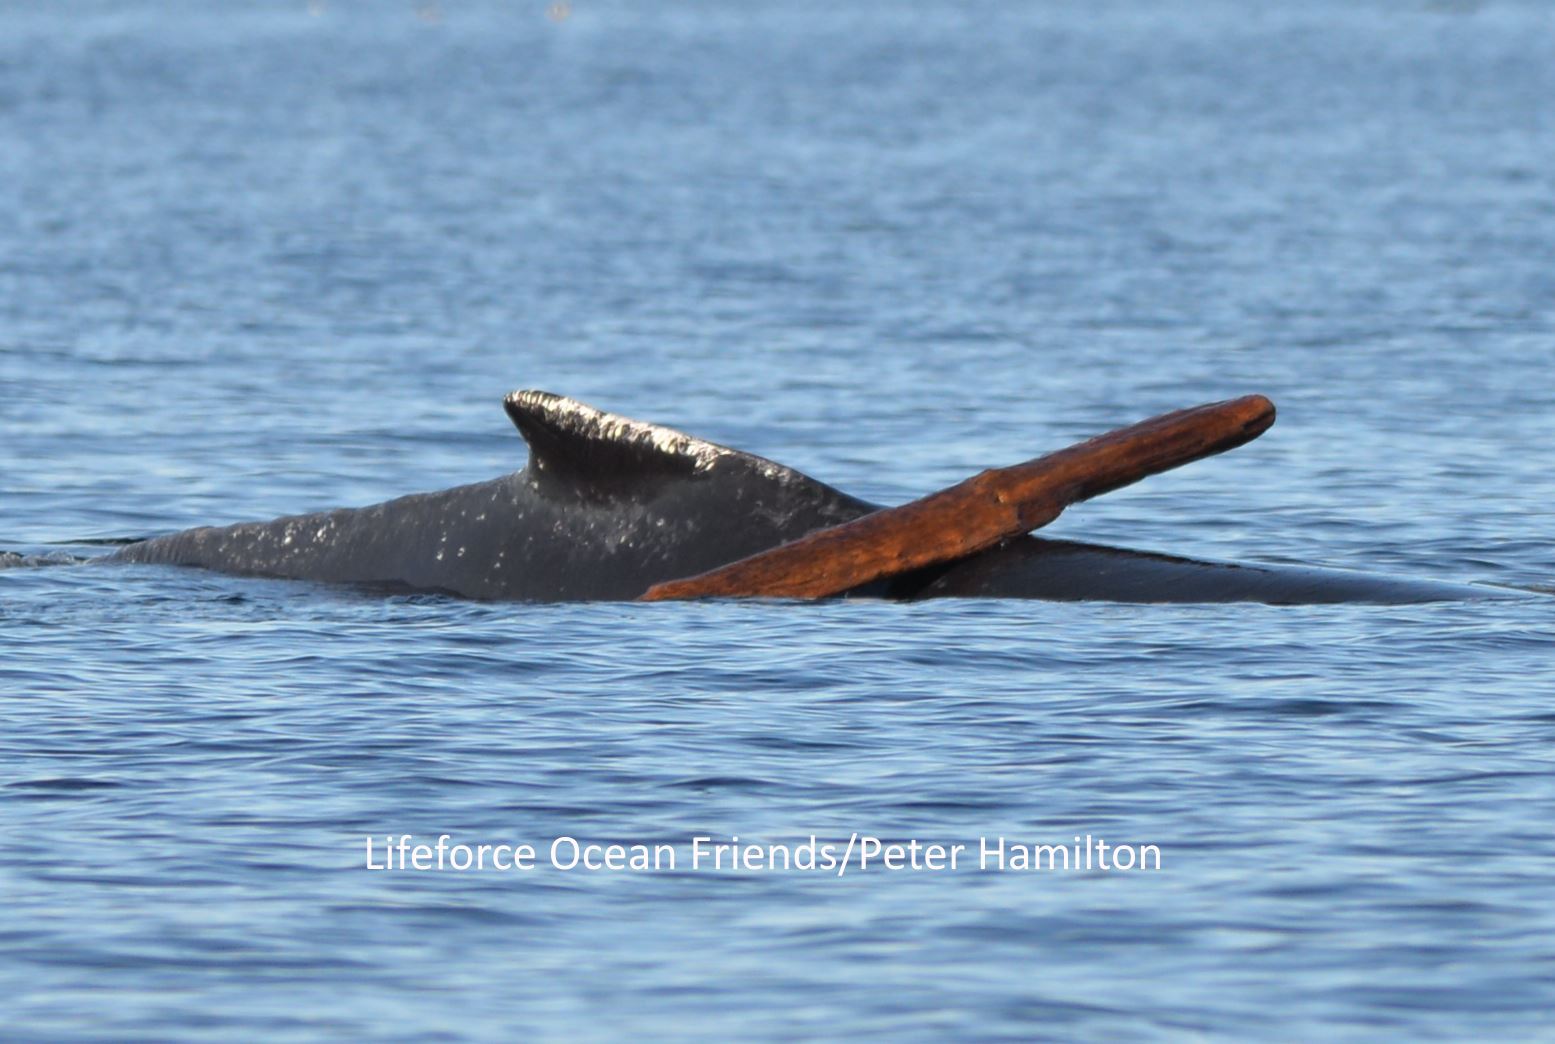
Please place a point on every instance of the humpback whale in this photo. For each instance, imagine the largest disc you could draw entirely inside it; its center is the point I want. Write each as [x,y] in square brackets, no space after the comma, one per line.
[608,507]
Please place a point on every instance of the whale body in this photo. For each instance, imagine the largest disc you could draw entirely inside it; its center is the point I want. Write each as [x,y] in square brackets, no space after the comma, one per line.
[608,506]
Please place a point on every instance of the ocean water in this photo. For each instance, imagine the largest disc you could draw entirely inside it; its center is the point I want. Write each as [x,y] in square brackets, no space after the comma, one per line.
[276,257]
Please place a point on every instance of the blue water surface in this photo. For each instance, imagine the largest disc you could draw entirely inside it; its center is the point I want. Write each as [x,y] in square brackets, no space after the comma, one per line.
[282,256]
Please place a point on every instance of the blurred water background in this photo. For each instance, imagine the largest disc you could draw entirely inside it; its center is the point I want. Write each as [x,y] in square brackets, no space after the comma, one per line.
[276,257]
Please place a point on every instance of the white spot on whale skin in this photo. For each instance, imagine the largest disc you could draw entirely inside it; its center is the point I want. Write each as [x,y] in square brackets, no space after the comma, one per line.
[610,427]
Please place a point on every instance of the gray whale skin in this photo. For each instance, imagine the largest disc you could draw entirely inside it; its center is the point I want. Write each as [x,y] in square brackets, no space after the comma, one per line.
[609,506]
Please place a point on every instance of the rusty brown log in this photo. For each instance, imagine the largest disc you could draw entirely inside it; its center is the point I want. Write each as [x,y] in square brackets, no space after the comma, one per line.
[980,512]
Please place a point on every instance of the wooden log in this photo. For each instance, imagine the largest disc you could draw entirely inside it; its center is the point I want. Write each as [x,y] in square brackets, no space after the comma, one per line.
[980,512]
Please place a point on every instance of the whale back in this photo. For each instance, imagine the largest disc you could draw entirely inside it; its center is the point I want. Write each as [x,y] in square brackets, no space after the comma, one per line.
[608,506]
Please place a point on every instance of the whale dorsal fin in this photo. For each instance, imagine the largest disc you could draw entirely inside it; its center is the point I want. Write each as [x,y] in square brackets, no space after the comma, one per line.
[583,447]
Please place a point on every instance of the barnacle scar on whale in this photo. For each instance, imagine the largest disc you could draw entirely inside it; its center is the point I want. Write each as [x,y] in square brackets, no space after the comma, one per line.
[610,508]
